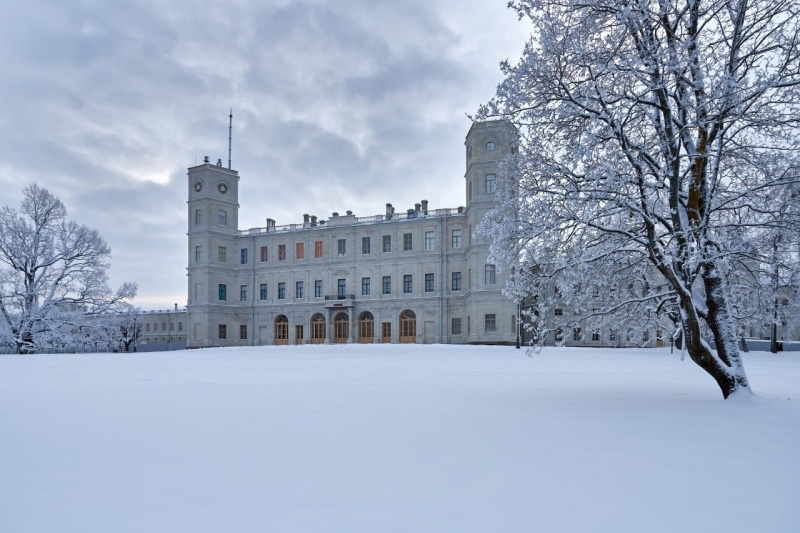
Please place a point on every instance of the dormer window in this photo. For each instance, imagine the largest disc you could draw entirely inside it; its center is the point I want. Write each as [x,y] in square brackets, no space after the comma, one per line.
[491,147]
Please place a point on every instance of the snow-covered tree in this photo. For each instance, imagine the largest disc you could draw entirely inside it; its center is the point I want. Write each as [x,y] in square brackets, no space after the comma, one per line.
[52,272]
[659,141]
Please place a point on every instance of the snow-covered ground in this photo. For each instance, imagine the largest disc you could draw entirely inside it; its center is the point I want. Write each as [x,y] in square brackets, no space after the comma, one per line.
[395,439]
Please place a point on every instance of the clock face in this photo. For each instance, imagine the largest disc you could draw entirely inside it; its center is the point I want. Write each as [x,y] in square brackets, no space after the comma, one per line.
[222,188]
[198,186]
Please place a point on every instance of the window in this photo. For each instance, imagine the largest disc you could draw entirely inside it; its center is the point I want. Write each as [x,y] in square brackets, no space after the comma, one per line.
[490,146]
[198,217]
[612,335]
[317,288]
[223,331]
[317,249]
[264,254]
[262,291]
[490,275]
[223,292]
[222,255]
[428,282]
[491,183]
[387,284]
[180,326]
[407,242]
[163,326]
[244,256]
[365,286]
[243,293]
[299,251]
[222,217]
[576,334]
[455,281]
[198,254]
[243,332]
[455,241]
[281,291]
[365,245]
[341,287]
[298,290]
[407,283]
[341,246]
[469,199]
[281,252]
[596,335]
[429,240]
[147,327]
[489,323]
[455,326]
[559,312]
[387,243]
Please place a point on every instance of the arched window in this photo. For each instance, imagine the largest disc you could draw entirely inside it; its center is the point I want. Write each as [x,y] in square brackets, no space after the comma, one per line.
[317,329]
[366,327]
[408,326]
[281,329]
[341,328]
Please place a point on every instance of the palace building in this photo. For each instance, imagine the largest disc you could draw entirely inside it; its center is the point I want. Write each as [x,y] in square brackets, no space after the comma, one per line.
[415,276]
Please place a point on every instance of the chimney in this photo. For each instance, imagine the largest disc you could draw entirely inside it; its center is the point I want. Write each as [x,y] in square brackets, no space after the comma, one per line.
[349,213]
[313,220]
[425,206]
[460,209]
[176,307]
[270,224]
[205,159]
[417,207]
[306,221]
[389,211]
[335,214]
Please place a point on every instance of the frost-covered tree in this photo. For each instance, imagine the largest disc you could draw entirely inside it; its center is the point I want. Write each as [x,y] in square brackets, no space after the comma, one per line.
[52,272]
[659,140]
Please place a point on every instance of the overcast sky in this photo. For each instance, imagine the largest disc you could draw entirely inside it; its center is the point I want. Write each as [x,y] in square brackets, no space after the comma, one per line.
[338,105]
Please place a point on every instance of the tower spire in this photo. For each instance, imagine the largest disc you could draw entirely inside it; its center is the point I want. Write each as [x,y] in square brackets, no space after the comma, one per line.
[230,136]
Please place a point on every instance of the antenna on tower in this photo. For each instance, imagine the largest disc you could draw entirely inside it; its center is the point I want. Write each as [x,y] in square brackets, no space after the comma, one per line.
[230,137]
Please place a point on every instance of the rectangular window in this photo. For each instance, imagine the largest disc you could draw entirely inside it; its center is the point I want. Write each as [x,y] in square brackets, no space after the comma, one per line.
[299,251]
[341,287]
[490,275]
[317,249]
[387,284]
[243,293]
[281,291]
[341,245]
[198,254]
[365,245]
[298,290]
[387,243]
[262,291]
[317,288]
[407,283]
[222,217]
[243,332]
[223,331]
[163,326]
[559,312]
[365,286]
[429,240]
[180,326]
[223,292]
[198,217]
[455,326]
[281,252]
[455,241]
[596,335]
[264,255]
[244,256]
[222,255]
[455,281]
[490,323]
[576,334]
[491,183]
[407,242]
[428,282]
[147,327]
[612,335]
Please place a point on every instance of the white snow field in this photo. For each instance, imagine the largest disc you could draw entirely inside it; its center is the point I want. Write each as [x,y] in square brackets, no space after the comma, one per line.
[389,438]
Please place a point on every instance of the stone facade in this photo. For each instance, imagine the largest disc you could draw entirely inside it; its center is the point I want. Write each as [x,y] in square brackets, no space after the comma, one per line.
[415,276]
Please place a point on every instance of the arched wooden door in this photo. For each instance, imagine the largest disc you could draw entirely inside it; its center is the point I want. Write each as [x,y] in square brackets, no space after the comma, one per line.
[317,329]
[341,328]
[408,326]
[281,329]
[366,327]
